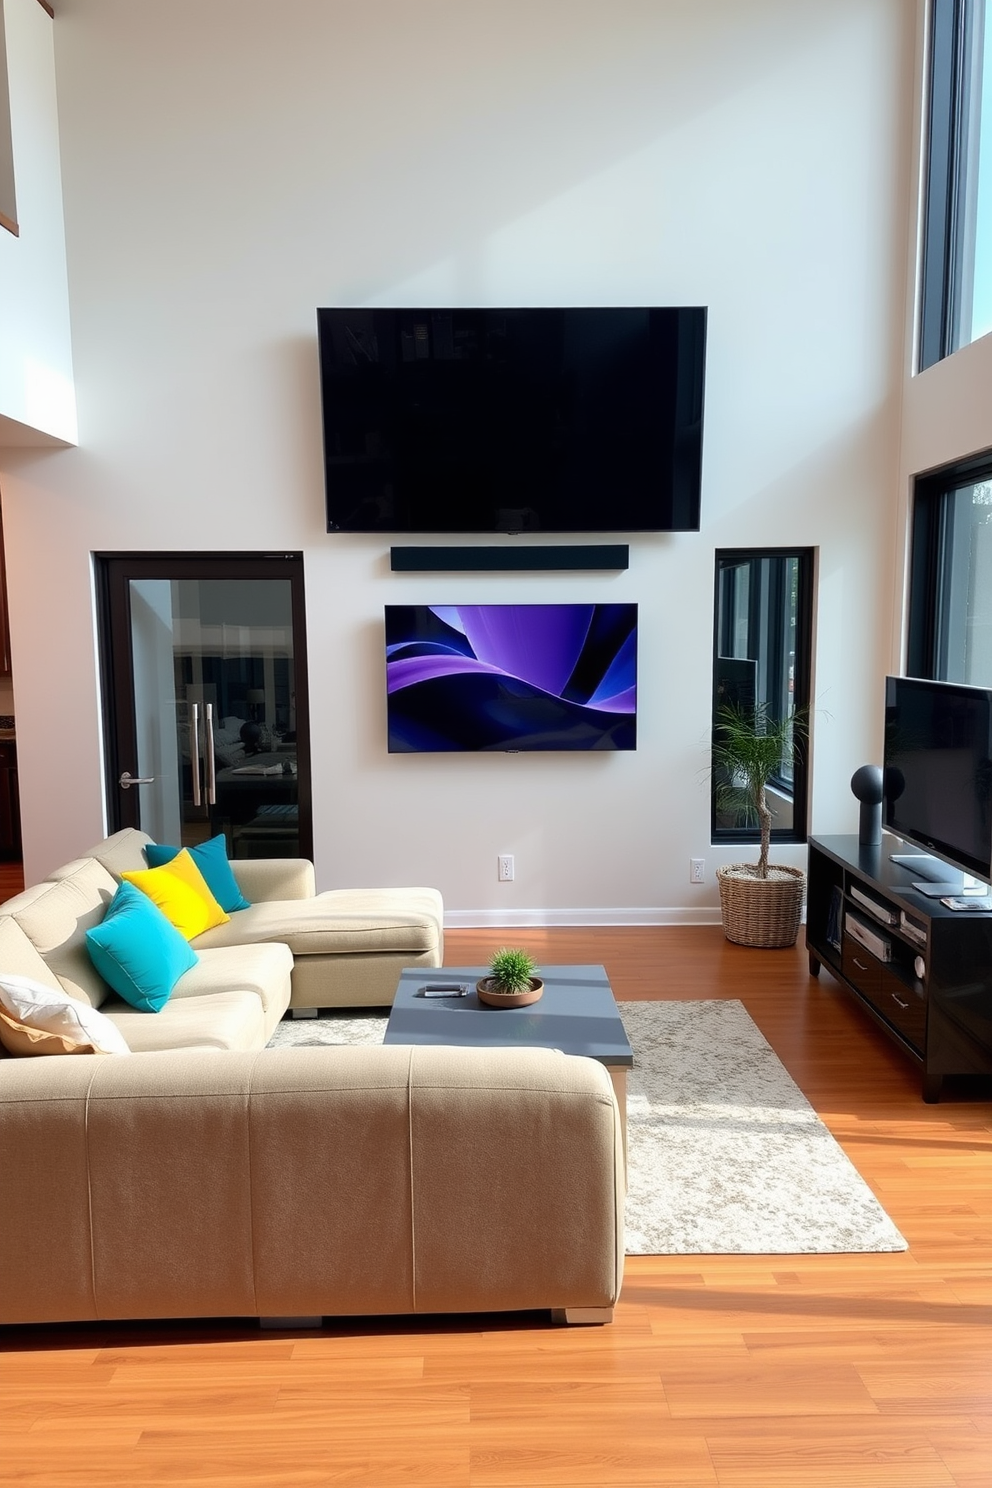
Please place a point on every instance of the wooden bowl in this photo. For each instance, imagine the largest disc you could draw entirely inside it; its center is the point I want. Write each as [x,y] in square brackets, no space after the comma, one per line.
[487,993]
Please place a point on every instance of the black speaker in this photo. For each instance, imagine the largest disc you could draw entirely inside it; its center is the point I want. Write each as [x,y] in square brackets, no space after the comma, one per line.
[866,783]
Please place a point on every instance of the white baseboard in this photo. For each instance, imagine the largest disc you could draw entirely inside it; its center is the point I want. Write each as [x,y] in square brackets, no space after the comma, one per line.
[495,919]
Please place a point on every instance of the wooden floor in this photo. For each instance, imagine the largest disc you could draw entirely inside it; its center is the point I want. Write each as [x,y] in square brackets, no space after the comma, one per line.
[742,1372]
[11,879]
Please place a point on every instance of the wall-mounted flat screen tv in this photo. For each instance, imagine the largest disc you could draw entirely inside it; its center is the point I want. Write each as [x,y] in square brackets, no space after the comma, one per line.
[515,420]
[511,677]
[937,781]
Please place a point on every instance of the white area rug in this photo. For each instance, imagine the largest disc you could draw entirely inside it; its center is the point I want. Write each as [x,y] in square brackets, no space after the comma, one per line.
[725,1154]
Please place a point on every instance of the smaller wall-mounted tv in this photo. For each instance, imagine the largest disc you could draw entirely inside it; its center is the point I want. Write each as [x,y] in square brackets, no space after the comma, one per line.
[938,770]
[468,678]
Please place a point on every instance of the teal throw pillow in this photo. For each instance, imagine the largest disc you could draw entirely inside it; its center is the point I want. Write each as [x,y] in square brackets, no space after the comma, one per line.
[211,859]
[137,951]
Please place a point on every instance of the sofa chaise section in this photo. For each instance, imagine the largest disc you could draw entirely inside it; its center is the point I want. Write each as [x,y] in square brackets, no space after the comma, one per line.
[349,945]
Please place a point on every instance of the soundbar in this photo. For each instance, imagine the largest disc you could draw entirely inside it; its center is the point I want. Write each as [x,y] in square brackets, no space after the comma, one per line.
[576,556]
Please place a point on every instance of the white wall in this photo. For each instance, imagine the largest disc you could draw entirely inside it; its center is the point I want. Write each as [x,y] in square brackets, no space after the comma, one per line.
[229,167]
[37,405]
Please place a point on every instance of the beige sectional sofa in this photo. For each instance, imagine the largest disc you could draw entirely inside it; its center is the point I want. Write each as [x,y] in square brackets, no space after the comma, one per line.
[349,945]
[211,1176]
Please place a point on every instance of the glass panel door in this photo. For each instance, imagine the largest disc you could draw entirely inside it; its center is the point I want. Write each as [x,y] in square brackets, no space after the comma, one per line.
[206,703]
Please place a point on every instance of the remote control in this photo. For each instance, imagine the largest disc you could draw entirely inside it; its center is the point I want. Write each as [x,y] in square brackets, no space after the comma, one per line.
[444,989]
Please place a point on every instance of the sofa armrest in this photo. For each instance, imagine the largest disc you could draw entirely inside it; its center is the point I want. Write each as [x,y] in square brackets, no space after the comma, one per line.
[261,879]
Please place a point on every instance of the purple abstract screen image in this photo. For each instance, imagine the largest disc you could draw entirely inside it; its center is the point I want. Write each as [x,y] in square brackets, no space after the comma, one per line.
[511,677]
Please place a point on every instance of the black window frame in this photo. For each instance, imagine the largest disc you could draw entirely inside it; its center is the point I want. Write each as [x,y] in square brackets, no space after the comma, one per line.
[931,553]
[732,558]
[954,46]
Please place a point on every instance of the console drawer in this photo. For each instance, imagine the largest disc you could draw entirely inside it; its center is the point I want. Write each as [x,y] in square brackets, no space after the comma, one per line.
[898,1004]
[905,1008]
[861,968]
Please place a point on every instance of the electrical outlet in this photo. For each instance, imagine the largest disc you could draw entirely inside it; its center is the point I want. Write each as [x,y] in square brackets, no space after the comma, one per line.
[505,867]
[697,870]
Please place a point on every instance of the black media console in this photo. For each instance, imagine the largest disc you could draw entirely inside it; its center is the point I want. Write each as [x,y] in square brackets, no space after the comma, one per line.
[921,970]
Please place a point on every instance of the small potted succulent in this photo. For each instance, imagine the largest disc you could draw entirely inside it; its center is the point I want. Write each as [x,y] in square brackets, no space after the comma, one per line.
[512,980]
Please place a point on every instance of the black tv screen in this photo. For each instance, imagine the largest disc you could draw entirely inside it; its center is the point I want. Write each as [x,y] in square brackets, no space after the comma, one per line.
[937,780]
[513,420]
[511,677]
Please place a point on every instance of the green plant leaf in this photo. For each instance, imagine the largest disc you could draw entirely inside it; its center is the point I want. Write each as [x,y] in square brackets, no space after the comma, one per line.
[512,969]
[749,747]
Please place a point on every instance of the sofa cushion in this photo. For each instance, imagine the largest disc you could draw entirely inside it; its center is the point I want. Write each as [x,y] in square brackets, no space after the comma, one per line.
[274,878]
[212,861]
[213,1020]
[125,849]
[180,891]
[264,970]
[35,1019]
[357,920]
[137,951]
[19,955]
[55,916]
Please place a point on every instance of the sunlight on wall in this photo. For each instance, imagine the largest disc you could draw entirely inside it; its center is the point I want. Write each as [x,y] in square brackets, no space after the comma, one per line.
[49,400]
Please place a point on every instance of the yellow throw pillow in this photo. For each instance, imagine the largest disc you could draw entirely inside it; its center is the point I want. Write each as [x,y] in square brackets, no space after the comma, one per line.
[180,891]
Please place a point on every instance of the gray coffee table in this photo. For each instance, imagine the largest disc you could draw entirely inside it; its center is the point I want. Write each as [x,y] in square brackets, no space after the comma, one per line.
[577,1014]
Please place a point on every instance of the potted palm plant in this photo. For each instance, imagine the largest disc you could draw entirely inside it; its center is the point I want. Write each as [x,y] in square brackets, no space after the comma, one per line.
[761,903]
[512,980]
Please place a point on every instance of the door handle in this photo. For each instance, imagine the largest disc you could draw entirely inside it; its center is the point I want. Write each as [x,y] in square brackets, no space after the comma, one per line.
[127,780]
[211,762]
[194,752]
[899,1001]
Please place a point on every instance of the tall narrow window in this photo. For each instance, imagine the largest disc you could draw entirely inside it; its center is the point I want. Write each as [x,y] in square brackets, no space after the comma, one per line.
[956,283]
[761,661]
[950,604]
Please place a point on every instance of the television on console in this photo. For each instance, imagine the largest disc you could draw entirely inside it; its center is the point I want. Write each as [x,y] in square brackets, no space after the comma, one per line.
[511,677]
[512,420]
[937,779]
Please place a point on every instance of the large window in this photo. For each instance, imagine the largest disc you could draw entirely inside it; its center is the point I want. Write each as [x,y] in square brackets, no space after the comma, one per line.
[950,602]
[956,285]
[761,661]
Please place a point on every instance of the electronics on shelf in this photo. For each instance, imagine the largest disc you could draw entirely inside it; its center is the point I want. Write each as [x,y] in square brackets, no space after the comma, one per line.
[912,927]
[859,930]
[883,912]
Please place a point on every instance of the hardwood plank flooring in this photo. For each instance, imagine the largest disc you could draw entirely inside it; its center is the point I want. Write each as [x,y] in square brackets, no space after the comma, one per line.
[719,1371]
[11,880]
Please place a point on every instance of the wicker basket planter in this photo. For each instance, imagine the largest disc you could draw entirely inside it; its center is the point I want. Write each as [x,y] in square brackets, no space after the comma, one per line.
[761,911]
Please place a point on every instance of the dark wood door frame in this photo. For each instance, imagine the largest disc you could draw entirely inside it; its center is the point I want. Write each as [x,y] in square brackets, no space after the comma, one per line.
[114,571]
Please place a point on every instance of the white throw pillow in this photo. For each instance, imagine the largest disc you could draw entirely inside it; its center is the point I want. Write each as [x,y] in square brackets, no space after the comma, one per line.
[36,1020]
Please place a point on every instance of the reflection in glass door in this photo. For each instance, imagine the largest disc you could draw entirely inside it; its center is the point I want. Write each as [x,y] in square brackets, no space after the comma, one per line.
[206,701]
